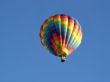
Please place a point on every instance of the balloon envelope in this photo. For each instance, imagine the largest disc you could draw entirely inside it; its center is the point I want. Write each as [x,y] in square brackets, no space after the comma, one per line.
[61,34]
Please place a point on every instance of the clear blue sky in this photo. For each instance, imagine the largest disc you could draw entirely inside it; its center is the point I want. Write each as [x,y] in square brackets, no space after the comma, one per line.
[23,58]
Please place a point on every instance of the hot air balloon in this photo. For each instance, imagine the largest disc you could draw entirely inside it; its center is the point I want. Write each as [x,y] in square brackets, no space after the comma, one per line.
[61,35]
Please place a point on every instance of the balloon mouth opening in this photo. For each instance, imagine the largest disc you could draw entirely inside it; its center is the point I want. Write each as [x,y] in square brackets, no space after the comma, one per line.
[62,53]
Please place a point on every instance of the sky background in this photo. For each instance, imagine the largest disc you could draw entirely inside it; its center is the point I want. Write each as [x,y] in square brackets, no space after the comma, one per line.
[24,59]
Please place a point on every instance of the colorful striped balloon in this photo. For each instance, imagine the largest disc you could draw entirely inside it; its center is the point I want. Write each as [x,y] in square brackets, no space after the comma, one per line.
[61,35]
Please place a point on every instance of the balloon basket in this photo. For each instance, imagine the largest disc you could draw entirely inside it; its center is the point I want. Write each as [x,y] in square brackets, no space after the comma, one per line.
[63,58]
